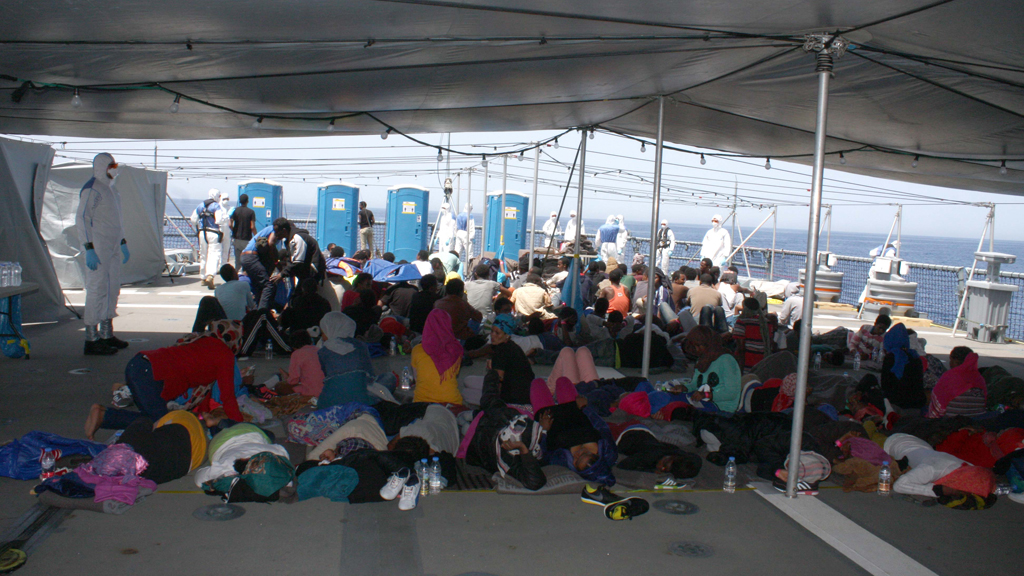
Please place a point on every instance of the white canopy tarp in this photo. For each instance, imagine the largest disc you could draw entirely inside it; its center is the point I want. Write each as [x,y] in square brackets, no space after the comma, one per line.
[142,211]
[939,79]
[23,173]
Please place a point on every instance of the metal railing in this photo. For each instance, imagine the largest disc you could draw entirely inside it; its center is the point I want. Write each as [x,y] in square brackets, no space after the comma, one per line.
[939,288]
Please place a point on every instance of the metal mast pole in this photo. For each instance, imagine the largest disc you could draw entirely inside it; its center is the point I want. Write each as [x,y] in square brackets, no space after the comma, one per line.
[483,245]
[533,202]
[775,228]
[504,189]
[470,232]
[579,194]
[826,47]
[655,206]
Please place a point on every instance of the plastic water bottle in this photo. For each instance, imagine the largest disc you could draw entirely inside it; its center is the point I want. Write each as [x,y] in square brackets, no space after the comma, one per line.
[421,473]
[884,479]
[817,360]
[393,348]
[408,378]
[435,476]
[730,476]
[269,355]
[17,274]
[5,279]
[48,463]
[856,361]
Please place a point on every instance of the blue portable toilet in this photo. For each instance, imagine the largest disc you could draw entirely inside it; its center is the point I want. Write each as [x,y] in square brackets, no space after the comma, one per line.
[517,210]
[266,198]
[337,216]
[406,232]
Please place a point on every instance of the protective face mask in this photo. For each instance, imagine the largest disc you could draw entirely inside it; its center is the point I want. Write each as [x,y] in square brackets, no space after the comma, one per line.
[113,172]
[716,225]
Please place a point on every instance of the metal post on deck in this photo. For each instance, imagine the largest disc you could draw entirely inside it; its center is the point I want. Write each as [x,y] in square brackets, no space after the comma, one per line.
[533,202]
[775,228]
[899,230]
[655,206]
[501,217]
[470,230]
[579,195]
[483,241]
[826,47]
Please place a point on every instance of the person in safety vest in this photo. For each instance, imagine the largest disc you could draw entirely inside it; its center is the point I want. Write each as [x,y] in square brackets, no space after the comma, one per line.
[666,242]
[208,218]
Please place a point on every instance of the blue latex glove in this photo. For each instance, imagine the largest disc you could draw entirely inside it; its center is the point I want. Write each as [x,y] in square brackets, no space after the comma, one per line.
[124,250]
[91,259]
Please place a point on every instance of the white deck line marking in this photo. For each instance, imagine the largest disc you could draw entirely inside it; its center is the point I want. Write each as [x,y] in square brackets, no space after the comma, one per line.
[122,305]
[862,547]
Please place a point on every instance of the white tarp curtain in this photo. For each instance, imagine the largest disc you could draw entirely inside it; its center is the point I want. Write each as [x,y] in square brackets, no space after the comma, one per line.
[142,210]
[939,78]
[23,173]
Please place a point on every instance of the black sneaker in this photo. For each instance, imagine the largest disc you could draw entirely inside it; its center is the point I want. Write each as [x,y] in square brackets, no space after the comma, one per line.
[626,509]
[99,348]
[802,488]
[600,495]
[115,342]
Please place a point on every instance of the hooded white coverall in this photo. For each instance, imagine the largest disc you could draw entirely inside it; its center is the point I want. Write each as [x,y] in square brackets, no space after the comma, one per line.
[550,230]
[99,221]
[717,244]
[210,241]
[623,236]
[666,244]
[607,236]
[465,231]
[225,228]
[445,230]
[570,228]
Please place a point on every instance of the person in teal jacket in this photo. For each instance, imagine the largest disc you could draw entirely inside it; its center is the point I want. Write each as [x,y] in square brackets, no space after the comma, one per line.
[716,368]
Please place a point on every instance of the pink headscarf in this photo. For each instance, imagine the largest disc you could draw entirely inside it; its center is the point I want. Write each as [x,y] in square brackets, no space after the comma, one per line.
[956,381]
[439,341]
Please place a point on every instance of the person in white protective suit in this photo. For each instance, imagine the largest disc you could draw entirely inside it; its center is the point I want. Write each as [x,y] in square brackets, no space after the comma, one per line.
[607,234]
[445,229]
[623,236]
[102,234]
[551,230]
[666,243]
[208,218]
[570,228]
[465,232]
[717,244]
[225,229]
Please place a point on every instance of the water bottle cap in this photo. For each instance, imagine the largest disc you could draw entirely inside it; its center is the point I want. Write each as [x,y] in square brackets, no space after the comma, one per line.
[436,458]
[885,462]
[424,460]
[732,458]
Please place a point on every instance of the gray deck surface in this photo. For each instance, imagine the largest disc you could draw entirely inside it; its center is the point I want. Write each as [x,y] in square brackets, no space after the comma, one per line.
[457,533]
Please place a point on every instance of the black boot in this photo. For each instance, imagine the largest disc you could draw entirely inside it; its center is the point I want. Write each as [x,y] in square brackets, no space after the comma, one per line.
[99,348]
[115,342]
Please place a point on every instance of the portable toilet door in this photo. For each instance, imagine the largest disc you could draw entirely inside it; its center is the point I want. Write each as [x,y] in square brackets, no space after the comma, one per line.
[266,198]
[517,207]
[406,232]
[337,216]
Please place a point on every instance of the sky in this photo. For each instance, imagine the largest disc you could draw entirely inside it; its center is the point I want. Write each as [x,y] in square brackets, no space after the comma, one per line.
[618,179]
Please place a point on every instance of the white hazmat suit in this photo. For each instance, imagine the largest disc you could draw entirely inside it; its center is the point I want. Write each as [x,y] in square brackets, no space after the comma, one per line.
[208,219]
[666,244]
[225,229]
[102,235]
[445,229]
[607,235]
[623,237]
[570,227]
[717,244]
[551,230]
[465,232]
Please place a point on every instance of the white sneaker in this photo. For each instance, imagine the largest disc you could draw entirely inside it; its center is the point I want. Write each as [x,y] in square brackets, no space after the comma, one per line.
[122,397]
[410,496]
[395,484]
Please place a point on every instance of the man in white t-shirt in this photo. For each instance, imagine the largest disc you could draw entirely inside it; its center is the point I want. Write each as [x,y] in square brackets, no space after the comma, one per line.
[481,290]
[732,297]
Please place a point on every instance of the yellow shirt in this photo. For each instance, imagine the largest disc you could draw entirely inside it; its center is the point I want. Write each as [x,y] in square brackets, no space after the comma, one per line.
[195,433]
[430,387]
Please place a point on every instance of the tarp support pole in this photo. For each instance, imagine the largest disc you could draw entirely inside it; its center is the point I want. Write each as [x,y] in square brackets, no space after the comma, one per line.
[655,206]
[775,228]
[483,242]
[579,195]
[826,47]
[501,217]
[533,202]
[470,230]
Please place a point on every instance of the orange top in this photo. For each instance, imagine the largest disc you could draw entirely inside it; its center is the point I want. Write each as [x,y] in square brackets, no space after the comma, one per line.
[620,301]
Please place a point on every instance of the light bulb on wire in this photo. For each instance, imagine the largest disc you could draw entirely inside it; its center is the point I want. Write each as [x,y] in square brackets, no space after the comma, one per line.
[914,163]
[384,134]
[76,100]
[768,163]
[643,147]
[1002,167]
[556,143]
[173,109]
[256,124]
[702,160]
[484,161]
[440,155]
[842,159]
[330,127]
[591,133]
[521,155]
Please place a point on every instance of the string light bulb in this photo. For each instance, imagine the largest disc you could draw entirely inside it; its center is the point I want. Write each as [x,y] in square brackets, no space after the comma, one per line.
[330,127]
[440,155]
[521,155]
[842,159]
[914,163]
[484,161]
[384,134]
[1002,167]
[591,133]
[643,147]
[256,124]
[76,100]
[556,145]
[702,160]
[768,163]
[174,105]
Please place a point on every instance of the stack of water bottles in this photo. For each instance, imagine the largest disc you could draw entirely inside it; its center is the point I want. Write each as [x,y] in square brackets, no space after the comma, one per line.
[430,477]
[10,274]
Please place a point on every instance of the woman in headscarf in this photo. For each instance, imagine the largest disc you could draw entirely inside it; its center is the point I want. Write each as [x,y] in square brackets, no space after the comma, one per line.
[437,360]
[902,371]
[509,361]
[716,368]
[341,352]
[961,391]
[199,369]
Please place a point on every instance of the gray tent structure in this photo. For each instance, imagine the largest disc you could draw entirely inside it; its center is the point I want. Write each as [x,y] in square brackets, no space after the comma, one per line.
[939,80]
[142,209]
[24,169]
